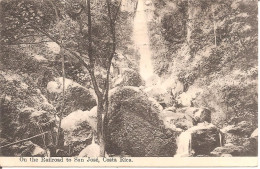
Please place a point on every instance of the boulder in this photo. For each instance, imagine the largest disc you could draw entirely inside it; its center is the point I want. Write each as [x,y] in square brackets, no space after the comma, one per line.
[242,136]
[248,148]
[25,149]
[243,128]
[239,133]
[77,97]
[184,118]
[173,120]
[129,77]
[198,115]
[251,147]
[202,115]
[255,133]
[156,106]
[78,127]
[205,138]
[92,150]
[231,149]
[177,89]
[160,94]
[184,100]
[133,126]
[188,98]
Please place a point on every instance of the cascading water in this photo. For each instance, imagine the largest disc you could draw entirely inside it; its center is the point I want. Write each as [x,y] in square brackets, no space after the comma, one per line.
[184,145]
[220,139]
[141,41]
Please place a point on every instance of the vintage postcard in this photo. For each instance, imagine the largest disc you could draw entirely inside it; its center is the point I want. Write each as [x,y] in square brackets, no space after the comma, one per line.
[128,83]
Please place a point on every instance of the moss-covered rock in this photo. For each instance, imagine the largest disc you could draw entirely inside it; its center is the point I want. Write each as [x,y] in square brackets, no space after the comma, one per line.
[132,126]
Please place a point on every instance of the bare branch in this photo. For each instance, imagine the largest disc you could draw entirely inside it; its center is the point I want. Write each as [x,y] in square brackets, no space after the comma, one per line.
[26,36]
[7,145]
[62,46]
[27,43]
[55,9]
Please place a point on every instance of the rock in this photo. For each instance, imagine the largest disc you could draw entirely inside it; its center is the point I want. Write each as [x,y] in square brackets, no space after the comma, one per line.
[251,147]
[241,136]
[227,149]
[129,77]
[156,106]
[160,94]
[226,155]
[172,109]
[248,148]
[61,153]
[202,115]
[26,149]
[188,98]
[255,133]
[234,139]
[174,120]
[38,152]
[239,133]
[76,96]
[177,89]
[198,115]
[148,3]
[205,138]
[72,121]
[244,128]
[184,100]
[184,118]
[92,150]
[132,125]
[78,127]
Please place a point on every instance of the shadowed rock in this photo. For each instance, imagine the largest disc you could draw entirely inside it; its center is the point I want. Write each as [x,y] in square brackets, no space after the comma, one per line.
[205,138]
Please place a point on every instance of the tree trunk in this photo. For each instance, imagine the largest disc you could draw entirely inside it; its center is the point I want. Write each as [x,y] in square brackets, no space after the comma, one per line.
[214,25]
[100,135]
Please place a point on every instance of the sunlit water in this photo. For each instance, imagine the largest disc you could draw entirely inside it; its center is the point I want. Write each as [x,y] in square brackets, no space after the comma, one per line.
[184,145]
[141,41]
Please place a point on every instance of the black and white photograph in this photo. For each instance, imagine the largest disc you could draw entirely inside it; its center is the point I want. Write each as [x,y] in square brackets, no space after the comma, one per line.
[115,79]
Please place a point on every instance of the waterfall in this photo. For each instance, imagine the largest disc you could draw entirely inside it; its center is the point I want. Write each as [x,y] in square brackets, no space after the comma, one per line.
[184,145]
[141,41]
[220,139]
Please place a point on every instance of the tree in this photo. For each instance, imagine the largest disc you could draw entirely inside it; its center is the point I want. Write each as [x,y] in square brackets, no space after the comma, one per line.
[81,29]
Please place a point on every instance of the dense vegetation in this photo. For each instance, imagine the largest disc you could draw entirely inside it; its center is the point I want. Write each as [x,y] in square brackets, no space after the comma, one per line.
[210,46]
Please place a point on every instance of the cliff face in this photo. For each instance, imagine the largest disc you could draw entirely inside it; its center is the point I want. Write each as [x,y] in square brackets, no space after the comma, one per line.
[211,48]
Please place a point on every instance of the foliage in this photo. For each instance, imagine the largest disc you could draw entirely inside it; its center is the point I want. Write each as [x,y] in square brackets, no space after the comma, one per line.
[216,53]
